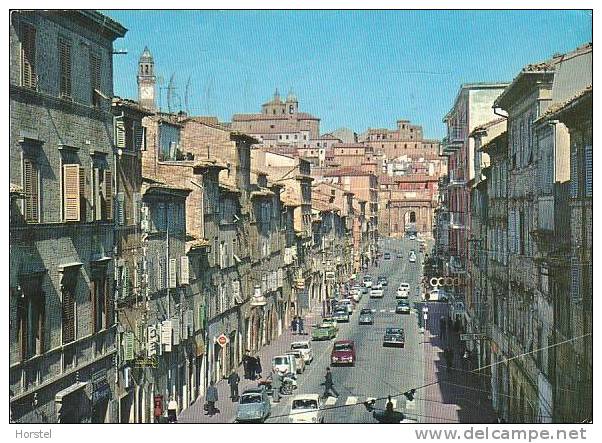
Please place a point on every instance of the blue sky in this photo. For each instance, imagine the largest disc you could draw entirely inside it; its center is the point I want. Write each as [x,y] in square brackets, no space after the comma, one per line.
[355,69]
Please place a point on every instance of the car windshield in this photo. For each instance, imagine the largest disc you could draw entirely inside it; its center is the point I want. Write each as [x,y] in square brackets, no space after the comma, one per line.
[367,277]
[366,311]
[280,360]
[343,347]
[305,404]
[394,331]
[250,398]
[341,311]
[299,346]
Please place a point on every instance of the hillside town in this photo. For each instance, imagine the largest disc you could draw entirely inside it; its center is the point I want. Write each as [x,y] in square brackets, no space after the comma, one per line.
[155,253]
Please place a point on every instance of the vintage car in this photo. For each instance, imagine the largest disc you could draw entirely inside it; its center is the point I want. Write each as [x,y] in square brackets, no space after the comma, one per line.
[325,331]
[253,406]
[343,352]
[403,307]
[299,360]
[341,314]
[366,317]
[305,348]
[306,408]
[394,337]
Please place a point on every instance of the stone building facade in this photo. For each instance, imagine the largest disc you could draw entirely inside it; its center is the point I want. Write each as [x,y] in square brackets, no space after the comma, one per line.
[62,321]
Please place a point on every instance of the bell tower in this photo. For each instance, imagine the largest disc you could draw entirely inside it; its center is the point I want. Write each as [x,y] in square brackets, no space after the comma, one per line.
[146,80]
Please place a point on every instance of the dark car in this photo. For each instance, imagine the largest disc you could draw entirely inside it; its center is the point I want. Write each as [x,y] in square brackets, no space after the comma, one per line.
[343,352]
[341,314]
[387,256]
[382,280]
[394,337]
[403,307]
[366,317]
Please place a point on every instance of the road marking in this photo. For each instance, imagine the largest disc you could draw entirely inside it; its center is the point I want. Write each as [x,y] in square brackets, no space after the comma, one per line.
[392,311]
[382,310]
[330,401]
[351,401]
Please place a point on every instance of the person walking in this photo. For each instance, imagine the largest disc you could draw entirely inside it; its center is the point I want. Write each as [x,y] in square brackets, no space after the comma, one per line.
[294,325]
[449,358]
[442,328]
[246,365]
[258,369]
[301,326]
[212,399]
[329,384]
[233,380]
[172,410]
[466,360]
[276,385]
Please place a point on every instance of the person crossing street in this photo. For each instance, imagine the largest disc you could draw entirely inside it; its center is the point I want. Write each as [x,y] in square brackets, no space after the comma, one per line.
[329,385]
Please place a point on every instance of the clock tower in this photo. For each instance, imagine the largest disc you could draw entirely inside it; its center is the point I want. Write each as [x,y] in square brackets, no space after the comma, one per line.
[146,80]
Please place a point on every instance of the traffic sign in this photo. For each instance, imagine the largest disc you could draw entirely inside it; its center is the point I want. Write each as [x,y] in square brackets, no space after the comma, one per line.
[222,340]
[467,337]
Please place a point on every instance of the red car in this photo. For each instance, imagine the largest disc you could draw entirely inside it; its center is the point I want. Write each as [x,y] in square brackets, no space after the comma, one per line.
[343,352]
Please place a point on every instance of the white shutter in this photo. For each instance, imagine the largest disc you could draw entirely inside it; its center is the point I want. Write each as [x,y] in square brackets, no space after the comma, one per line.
[160,274]
[120,212]
[172,272]
[184,270]
[589,173]
[574,174]
[176,325]
[119,133]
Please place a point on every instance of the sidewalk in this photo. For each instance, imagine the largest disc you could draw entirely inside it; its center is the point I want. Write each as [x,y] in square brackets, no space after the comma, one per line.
[227,408]
[458,395]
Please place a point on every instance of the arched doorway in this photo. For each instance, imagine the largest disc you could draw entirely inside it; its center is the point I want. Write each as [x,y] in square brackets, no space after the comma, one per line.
[412,217]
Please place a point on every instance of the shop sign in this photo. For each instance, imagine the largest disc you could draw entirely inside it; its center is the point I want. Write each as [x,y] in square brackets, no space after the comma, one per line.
[128,345]
[153,338]
[100,386]
[166,335]
[146,362]
[176,326]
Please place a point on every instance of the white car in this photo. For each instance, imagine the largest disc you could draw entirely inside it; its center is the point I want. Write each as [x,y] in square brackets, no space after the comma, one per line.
[412,257]
[284,364]
[306,350]
[306,408]
[404,286]
[402,293]
[299,360]
[376,293]
[348,304]
[367,281]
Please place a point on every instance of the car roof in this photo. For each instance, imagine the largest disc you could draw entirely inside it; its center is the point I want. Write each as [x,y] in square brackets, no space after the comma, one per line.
[254,391]
[343,342]
[303,342]
[307,397]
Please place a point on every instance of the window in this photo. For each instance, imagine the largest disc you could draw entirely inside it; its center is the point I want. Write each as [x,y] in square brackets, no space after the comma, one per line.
[29,76]
[31,181]
[588,170]
[101,303]
[68,287]
[95,70]
[74,197]
[30,317]
[102,192]
[287,136]
[65,67]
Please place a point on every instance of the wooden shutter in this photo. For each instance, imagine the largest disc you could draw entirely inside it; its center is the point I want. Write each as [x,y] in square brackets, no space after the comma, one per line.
[575,279]
[574,174]
[108,194]
[125,284]
[28,56]
[139,142]
[68,306]
[95,66]
[589,173]
[109,308]
[136,206]
[119,133]
[184,270]
[71,192]
[93,299]
[65,67]
[30,185]
[83,200]
[160,274]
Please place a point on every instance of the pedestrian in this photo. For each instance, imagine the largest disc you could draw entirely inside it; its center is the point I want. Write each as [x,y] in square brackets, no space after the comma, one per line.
[466,360]
[458,325]
[301,326]
[245,364]
[294,325]
[276,385]
[233,380]
[442,328]
[258,369]
[172,410]
[329,384]
[212,399]
[449,358]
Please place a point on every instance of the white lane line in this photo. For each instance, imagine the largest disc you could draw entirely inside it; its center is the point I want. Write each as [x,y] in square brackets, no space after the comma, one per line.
[382,310]
[351,401]
[330,401]
[392,311]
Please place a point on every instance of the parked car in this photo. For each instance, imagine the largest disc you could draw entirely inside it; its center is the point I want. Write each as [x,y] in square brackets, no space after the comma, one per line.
[382,280]
[405,286]
[305,348]
[323,332]
[366,317]
[387,256]
[367,281]
[343,352]
[306,408]
[341,314]
[284,364]
[402,293]
[331,321]
[253,406]
[399,255]
[403,307]
[394,337]
[412,257]
[299,360]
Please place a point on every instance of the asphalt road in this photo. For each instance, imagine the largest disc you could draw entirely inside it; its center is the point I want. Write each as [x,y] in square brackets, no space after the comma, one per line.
[379,371]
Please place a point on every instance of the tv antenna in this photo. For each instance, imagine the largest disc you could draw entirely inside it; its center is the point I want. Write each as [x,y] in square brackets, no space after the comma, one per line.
[170,92]
[186,96]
